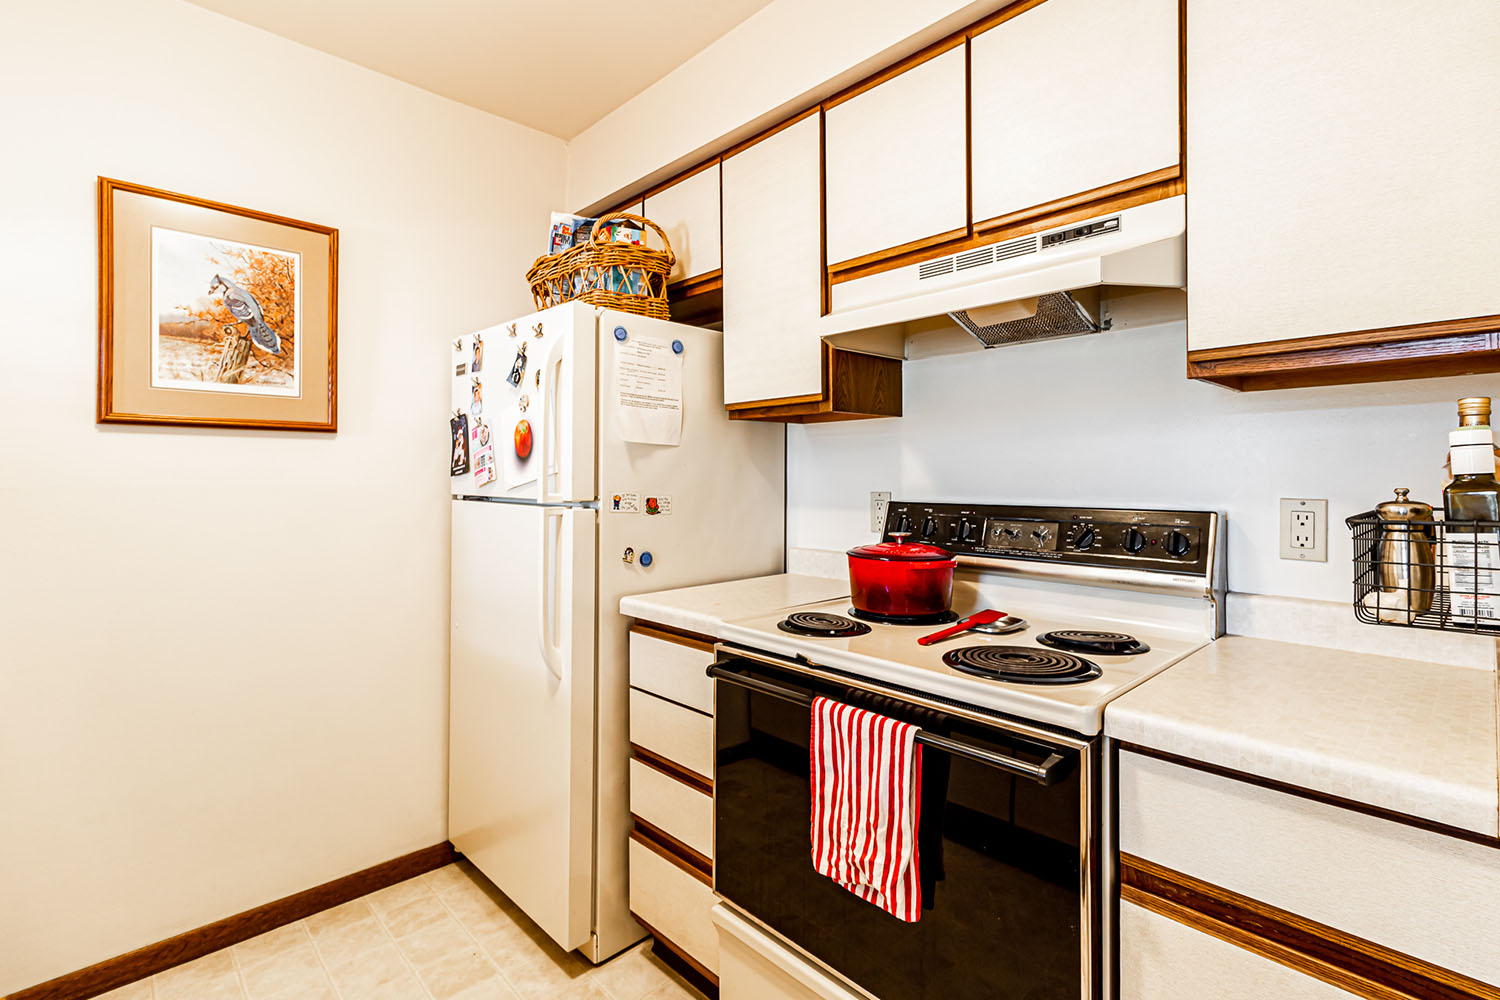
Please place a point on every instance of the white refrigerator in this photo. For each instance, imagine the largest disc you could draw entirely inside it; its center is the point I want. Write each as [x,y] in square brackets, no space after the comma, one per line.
[582,512]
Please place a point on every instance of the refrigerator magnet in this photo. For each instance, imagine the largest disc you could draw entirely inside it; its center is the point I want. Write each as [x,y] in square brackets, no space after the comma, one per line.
[458,424]
[658,505]
[478,362]
[625,503]
[518,366]
[476,398]
[482,448]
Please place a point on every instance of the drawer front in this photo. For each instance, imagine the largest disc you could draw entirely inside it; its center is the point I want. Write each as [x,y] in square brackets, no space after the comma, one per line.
[668,730]
[674,903]
[1161,959]
[675,671]
[1338,867]
[672,807]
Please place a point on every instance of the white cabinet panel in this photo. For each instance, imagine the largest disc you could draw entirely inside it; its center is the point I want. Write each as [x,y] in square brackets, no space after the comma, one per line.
[688,212]
[668,730]
[1328,864]
[673,807]
[673,670]
[1070,96]
[1161,959]
[1342,166]
[773,271]
[896,160]
[675,903]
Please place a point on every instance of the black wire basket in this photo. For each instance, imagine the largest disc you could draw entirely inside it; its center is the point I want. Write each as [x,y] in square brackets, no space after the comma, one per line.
[1434,575]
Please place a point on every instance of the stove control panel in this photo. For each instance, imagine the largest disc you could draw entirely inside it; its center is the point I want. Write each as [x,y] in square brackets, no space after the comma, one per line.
[1171,541]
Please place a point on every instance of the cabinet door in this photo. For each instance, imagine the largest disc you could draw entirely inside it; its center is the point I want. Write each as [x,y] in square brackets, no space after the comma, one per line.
[896,161]
[1161,959]
[688,212]
[1071,96]
[1343,167]
[773,280]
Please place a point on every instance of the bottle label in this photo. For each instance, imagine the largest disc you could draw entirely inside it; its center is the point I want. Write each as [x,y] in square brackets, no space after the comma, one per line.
[1472,450]
[1472,575]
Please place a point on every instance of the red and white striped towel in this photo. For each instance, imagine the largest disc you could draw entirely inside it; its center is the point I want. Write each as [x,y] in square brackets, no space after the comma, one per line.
[866,805]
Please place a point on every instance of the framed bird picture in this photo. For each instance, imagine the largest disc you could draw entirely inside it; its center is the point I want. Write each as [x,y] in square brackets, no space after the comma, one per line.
[212,315]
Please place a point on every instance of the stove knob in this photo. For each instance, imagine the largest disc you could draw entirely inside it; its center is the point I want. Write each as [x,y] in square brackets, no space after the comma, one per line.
[929,527]
[966,530]
[1012,533]
[1041,534]
[1178,544]
[1084,539]
[903,524]
[1134,541]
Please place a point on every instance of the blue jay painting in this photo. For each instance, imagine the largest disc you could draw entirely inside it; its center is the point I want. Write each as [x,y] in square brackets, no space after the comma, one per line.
[243,307]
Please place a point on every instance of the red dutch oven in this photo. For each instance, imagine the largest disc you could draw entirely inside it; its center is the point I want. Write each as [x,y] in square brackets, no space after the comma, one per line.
[901,579]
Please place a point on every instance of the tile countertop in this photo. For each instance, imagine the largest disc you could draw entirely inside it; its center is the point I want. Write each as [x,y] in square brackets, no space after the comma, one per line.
[703,609]
[1402,735]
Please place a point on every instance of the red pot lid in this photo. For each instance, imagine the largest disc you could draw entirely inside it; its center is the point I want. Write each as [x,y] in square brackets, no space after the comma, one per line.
[900,551]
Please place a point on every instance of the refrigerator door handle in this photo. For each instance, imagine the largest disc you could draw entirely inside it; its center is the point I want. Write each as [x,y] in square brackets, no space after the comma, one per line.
[547,632]
[551,471]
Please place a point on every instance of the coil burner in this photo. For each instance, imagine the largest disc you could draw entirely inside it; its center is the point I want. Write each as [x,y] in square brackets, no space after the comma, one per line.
[1021,664]
[1084,641]
[821,625]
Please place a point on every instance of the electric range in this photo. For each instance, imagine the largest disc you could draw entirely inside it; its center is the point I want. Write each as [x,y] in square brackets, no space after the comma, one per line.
[1014,836]
[1149,575]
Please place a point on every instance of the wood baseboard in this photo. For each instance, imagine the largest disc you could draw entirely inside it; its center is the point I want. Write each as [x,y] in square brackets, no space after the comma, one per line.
[153,958]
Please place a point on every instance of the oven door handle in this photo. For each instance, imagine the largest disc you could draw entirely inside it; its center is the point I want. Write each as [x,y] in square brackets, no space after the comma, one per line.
[1046,773]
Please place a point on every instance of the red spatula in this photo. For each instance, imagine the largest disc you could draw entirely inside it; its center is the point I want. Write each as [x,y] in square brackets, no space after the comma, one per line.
[962,625]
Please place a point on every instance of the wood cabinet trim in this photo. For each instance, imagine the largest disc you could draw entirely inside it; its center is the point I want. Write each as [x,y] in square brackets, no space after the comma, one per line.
[1430,350]
[1000,16]
[672,769]
[670,849]
[912,61]
[1099,194]
[678,953]
[670,633]
[765,134]
[1350,963]
[998,230]
[905,249]
[676,179]
[855,387]
[698,284]
[1405,819]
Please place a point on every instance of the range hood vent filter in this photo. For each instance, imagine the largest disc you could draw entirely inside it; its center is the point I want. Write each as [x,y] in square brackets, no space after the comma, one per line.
[1056,315]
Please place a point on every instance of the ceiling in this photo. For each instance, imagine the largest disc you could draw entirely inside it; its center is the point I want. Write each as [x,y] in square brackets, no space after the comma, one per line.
[555,65]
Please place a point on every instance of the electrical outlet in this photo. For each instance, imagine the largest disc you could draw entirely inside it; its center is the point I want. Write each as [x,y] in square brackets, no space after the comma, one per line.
[1304,529]
[878,503]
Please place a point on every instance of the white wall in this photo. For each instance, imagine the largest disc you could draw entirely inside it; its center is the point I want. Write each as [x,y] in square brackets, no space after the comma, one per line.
[223,654]
[789,53]
[1110,420]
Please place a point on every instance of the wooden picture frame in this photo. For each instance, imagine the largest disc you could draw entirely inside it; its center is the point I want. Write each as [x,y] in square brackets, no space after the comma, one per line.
[213,315]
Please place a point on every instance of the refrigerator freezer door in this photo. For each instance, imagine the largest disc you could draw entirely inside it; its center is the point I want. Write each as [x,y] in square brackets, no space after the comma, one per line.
[720,502]
[521,706]
[531,400]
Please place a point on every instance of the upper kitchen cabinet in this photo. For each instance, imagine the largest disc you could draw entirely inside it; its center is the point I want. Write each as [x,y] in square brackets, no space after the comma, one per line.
[775,365]
[688,211]
[1341,221]
[897,174]
[1073,101]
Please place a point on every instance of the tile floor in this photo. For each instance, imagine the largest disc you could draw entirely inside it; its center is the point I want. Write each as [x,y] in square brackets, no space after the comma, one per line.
[447,935]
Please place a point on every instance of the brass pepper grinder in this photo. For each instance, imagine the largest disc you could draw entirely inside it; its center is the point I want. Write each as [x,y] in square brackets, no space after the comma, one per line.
[1404,559]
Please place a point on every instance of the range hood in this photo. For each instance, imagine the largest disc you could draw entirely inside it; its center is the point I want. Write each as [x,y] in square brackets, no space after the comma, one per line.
[1033,287]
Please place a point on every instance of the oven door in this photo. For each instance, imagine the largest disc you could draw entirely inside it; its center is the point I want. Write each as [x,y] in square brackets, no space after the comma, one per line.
[1009,872]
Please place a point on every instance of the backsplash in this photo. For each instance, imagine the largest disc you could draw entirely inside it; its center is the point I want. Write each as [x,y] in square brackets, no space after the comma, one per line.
[1110,419]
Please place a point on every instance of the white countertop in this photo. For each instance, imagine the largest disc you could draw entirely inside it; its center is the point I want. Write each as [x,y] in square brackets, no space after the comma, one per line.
[1412,737]
[704,609]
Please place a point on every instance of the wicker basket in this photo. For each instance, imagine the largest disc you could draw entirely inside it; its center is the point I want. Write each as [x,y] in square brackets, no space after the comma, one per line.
[598,273]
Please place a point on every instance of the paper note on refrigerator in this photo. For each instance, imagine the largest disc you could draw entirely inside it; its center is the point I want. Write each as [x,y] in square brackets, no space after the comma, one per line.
[648,391]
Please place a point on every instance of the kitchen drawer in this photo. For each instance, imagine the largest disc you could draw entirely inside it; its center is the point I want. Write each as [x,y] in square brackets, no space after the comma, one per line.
[1415,891]
[1161,959]
[675,903]
[673,807]
[668,730]
[675,670]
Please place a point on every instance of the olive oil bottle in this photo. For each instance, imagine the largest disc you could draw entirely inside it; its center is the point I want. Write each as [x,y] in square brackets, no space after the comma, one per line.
[1472,551]
[1474,494]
